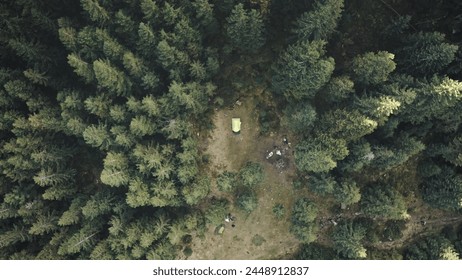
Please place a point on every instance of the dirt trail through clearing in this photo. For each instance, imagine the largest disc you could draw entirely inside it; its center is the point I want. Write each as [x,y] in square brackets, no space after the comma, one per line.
[420,225]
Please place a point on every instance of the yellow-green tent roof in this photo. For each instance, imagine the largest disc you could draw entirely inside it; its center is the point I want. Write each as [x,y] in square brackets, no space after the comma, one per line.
[236,124]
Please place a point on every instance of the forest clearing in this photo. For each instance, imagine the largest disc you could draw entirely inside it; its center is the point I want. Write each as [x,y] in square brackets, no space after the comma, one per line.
[229,151]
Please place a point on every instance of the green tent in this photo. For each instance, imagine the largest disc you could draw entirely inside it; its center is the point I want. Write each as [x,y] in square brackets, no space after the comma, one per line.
[236,124]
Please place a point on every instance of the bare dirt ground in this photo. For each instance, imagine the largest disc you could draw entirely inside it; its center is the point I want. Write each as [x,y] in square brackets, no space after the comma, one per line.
[230,152]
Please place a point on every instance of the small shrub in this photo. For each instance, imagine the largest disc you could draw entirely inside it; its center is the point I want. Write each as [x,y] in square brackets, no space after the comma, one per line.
[279,211]
[297,184]
[216,212]
[247,201]
[187,251]
[226,181]
[258,240]
[393,230]
[251,174]
[187,239]
[267,118]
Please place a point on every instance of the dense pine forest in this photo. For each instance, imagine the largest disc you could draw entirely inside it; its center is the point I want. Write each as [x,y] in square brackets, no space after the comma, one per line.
[108,110]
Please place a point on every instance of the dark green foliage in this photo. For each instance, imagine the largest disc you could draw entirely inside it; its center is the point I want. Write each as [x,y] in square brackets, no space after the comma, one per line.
[457,243]
[245,29]
[251,175]
[187,251]
[226,181]
[198,190]
[190,97]
[452,152]
[111,78]
[426,53]
[172,59]
[300,117]
[320,154]
[279,211]
[96,12]
[150,9]
[141,126]
[99,204]
[306,233]
[321,22]
[360,156]
[302,70]
[393,230]
[379,109]
[97,136]
[314,160]
[98,105]
[347,125]
[376,254]
[297,184]
[381,200]
[29,50]
[146,39]
[398,26]
[304,211]
[216,212]
[347,192]
[81,67]
[431,248]
[372,229]
[303,218]
[373,68]
[443,190]
[338,89]
[205,15]
[315,251]
[115,172]
[268,118]
[247,201]
[436,99]
[347,239]
[322,183]
[403,148]
[49,177]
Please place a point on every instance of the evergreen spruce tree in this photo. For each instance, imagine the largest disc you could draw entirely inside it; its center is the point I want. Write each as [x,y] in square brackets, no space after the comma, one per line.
[245,29]
[444,190]
[303,226]
[347,192]
[348,238]
[320,154]
[97,136]
[426,53]
[383,201]
[321,22]
[302,70]
[111,78]
[373,68]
